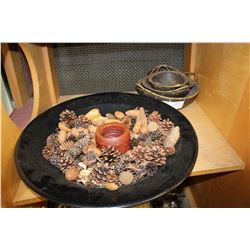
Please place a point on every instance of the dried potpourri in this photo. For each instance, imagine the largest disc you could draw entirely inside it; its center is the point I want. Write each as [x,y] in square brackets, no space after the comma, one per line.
[72,147]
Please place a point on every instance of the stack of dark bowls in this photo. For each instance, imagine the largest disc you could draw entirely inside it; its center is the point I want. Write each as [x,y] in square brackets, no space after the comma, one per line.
[170,85]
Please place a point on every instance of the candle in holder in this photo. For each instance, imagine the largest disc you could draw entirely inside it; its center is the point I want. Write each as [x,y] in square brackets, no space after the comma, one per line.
[113,134]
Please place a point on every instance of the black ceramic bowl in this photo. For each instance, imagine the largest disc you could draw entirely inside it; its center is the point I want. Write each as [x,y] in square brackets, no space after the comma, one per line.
[50,183]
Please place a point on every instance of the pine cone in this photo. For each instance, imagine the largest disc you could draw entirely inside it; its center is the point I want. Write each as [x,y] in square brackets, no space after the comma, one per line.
[132,167]
[76,150]
[67,116]
[109,155]
[80,122]
[170,150]
[67,145]
[62,160]
[151,153]
[104,173]
[166,125]
[154,117]
[127,157]
[48,151]
[148,170]
[119,167]
[52,139]
[155,135]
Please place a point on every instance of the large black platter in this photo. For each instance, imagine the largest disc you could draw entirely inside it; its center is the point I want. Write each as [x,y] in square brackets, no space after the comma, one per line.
[50,183]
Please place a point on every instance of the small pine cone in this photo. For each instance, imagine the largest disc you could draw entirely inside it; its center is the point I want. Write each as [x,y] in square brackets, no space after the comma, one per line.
[67,116]
[61,160]
[109,155]
[155,135]
[166,125]
[170,150]
[144,139]
[71,174]
[104,173]
[86,139]
[80,122]
[128,157]
[151,153]
[119,167]
[132,167]
[75,151]
[79,145]
[154,117]
[48,151]
[52,139]
[67,145]
[148,170]
[151,168]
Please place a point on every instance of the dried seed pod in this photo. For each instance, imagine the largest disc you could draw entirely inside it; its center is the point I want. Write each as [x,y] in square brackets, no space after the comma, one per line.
[72,173]
[75,132]
[126,178]
[62,126]
[110,116]
[137,127]
[112,120]
[119,115]
[132,113]
[61,136]
[153,126]
[99,122]
[172,137]
[93,113]
[142,116]
[111,186]
[92,128]
[127,121]
[144,129]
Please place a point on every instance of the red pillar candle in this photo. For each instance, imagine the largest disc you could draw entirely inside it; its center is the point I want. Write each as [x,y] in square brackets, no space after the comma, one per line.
[113,134]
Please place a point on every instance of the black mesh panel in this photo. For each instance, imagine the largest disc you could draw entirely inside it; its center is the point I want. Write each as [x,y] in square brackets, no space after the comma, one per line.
[92,68]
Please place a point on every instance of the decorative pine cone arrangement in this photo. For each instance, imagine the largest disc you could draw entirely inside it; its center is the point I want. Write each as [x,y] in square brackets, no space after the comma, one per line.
[72,147]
